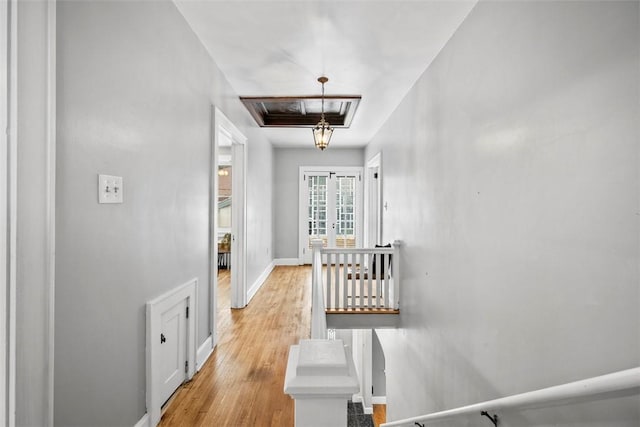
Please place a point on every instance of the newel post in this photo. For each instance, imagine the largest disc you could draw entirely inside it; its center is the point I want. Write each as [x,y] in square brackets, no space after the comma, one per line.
[316,246]
[396,273]
[321,377]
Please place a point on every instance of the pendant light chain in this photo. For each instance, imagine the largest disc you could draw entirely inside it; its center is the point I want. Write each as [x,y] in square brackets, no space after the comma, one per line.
[322,111]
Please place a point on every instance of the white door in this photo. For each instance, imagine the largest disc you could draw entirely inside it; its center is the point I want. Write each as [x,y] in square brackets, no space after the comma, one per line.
[238,226]
[330,209]
[173,349]
[315,218]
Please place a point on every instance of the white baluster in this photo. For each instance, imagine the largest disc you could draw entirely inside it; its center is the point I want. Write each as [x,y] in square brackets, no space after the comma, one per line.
[362,256]
[370,273]
[385,278]
[337,295]
[328,273]
[353,281]
[345,283]
[378,278]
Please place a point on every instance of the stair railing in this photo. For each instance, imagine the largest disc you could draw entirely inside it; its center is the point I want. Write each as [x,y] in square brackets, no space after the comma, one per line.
[347,279]
[362,279]
[617,384]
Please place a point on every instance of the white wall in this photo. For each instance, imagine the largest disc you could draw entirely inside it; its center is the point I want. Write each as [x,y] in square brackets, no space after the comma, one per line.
[260,232]
[511,175]
[135,89]
[287,162]
[378,378]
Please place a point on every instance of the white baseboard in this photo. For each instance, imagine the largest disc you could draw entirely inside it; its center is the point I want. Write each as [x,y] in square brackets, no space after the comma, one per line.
[379,400]
[286,261]
[357,398]
[144,421]
[259,281]
[204,351]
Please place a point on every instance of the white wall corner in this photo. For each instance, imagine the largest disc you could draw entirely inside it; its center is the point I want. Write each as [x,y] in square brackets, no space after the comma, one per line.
[357,398]
[286,261]
[204,351]
[259,281]
[143,422]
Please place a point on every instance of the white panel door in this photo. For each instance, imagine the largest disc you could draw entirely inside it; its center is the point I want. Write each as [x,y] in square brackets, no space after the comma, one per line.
[238,227]
[315,224]
[344,209]
[173,349]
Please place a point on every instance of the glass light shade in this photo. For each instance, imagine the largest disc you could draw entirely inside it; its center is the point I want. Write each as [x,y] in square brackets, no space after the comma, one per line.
[322,134]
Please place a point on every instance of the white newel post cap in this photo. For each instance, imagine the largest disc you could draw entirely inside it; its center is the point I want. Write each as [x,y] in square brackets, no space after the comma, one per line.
[317,243]
[321,377]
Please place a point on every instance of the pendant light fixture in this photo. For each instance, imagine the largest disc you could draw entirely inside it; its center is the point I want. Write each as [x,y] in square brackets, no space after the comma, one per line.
[322,131]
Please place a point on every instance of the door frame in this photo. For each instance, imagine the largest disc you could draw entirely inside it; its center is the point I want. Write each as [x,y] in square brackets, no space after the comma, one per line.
[362,357]
[238,221]
[8,145]
[302,205]
[154,310]
[9,75]
[373,205]
[220,123]
[52,23]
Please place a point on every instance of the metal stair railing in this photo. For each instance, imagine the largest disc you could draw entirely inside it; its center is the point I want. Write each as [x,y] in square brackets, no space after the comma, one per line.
[620,383]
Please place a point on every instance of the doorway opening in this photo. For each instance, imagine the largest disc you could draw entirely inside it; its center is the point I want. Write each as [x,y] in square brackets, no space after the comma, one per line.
[373,201]
[224,220]
[228,219]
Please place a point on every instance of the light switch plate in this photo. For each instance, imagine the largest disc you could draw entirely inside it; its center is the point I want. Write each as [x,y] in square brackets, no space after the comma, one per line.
[110,189]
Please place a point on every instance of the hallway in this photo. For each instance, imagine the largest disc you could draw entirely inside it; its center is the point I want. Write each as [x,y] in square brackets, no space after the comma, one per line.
[498,140]
[242,382]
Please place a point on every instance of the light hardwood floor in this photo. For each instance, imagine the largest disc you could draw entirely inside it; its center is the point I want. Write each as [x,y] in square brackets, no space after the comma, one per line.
[242,382]
[379,415]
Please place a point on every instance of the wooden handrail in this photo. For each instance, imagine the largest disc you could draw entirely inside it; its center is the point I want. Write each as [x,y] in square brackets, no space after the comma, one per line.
[620,383]
[370,251]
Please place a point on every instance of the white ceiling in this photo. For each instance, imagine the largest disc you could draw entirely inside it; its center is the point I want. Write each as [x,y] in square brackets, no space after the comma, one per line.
[376,49]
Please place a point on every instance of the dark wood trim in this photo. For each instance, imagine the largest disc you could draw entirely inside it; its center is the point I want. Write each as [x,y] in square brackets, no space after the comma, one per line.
[256,107]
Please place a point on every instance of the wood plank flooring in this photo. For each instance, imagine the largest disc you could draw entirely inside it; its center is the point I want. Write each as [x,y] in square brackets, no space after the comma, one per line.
[379,415]
[242,382]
